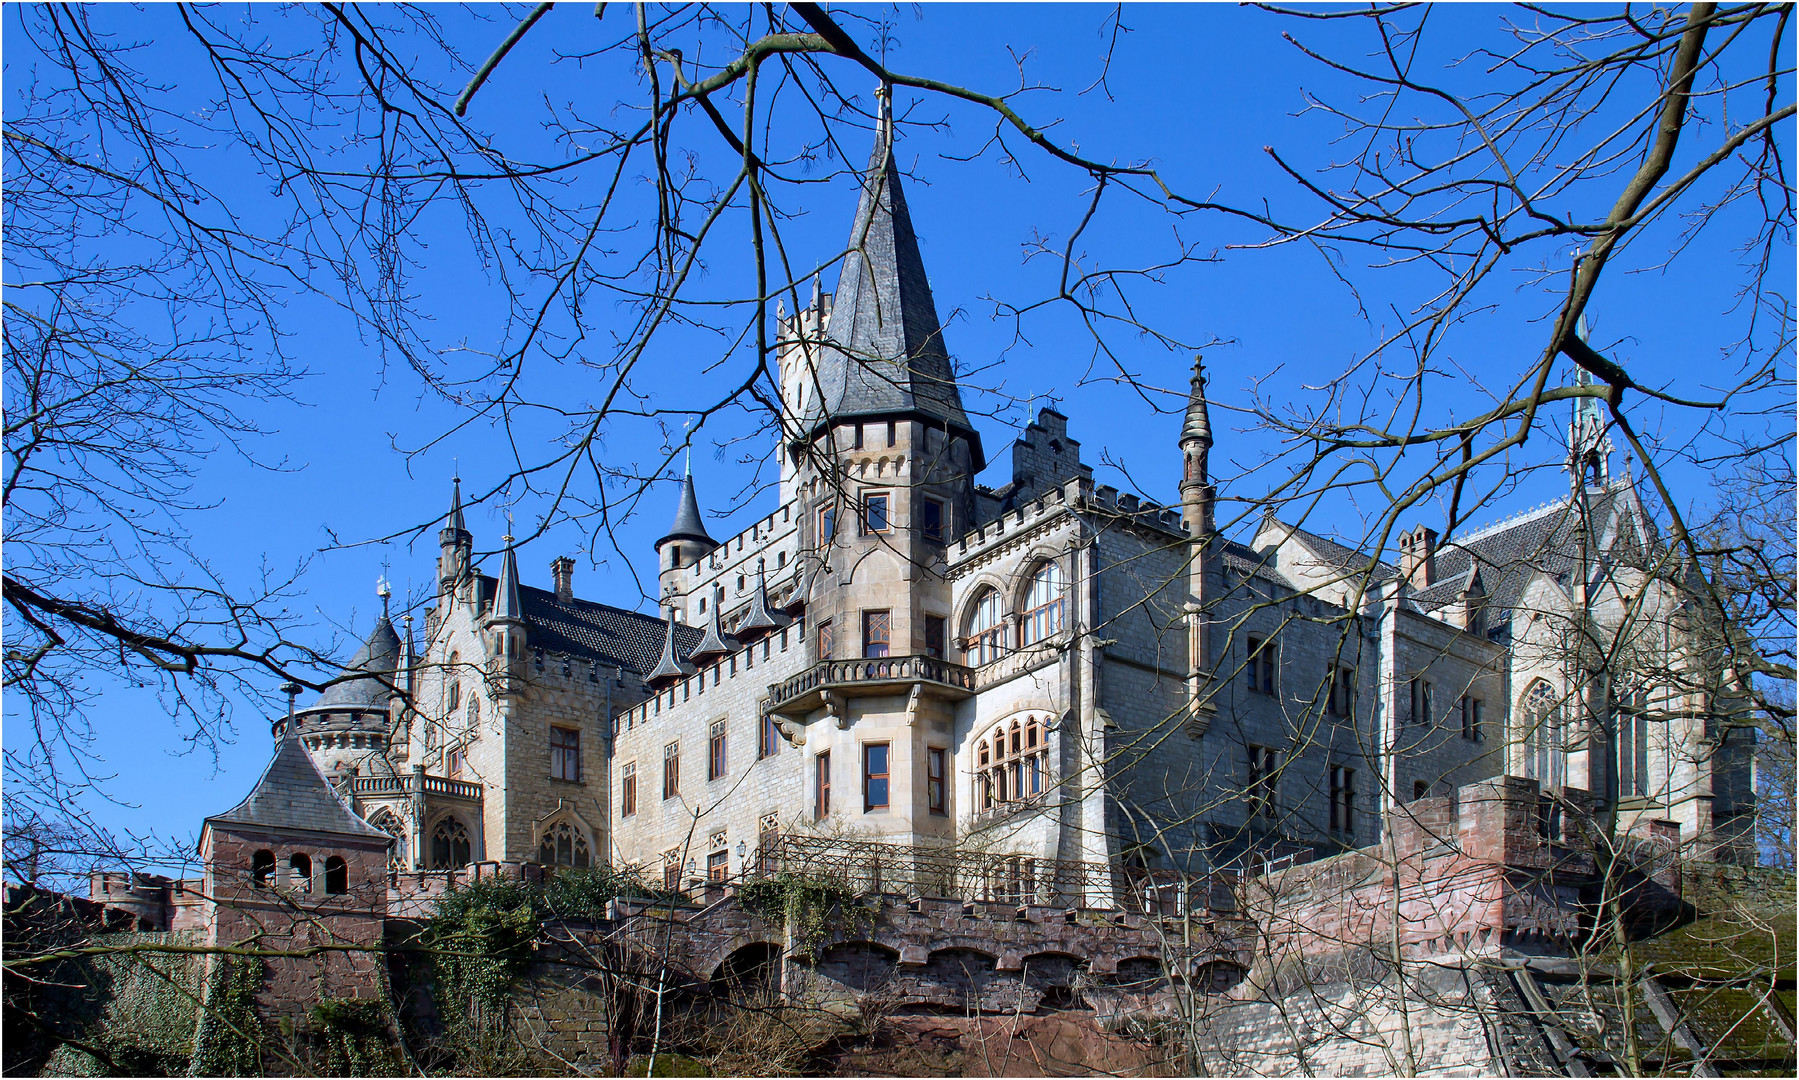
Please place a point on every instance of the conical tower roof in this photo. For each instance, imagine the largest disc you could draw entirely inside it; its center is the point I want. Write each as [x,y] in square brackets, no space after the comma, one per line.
[294,794]
[687,524]
[886,354]
[716,642]
[671,666]
[759,619]
[379,657]
[506,602]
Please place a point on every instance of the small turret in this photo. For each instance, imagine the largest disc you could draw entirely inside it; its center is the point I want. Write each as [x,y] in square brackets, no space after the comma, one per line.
[686,543]
[456,543]
[506,623]
[1197,493]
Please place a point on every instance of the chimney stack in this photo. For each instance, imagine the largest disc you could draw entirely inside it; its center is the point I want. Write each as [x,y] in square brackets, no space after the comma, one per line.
[1418,557]
[562,570]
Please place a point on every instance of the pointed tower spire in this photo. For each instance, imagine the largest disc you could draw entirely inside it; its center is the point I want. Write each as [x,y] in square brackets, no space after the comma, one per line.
[886,354]
[408,661]
[1589,447]
[758,620]
[1197,493]
[688,524]
[716,642]
[506,603]
[455,543]
[670,667]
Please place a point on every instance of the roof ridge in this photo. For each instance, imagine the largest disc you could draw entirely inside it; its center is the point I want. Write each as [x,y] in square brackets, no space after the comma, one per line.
[1518,518]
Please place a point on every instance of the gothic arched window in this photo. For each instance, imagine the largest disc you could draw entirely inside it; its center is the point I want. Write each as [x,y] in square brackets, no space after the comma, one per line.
[386,821]
[1013,762]
[1540,712]
[1044,605]
[563,845]
[449,845]
[987,627]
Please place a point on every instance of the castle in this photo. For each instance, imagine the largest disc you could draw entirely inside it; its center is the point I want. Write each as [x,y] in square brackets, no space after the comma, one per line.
[1047,670]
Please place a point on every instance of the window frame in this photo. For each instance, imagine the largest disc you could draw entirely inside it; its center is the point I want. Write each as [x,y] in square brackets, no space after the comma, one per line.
[671,770]
[627,794]
[1473,709]
[936,533]
[869,500]
[1263,790]
[826,521]
[935,637]
[567,754]
[1043,619]
[937,779]
[826,641]
[717,764]
[1341,702]
[873,620]
[1262,653]
[1342,794]
[870,777]
[821,785]
[987,643]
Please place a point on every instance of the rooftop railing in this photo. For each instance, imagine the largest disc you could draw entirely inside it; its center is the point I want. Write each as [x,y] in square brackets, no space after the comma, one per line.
[869,673]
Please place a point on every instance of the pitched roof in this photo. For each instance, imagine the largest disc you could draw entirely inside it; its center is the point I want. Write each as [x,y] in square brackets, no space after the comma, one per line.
[885,351]
[1546,540]
[1342,556]
[594,631]
[293,794]
[380,657]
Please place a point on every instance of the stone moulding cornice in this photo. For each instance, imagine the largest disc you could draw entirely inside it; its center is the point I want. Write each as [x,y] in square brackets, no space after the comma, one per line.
[1001,547]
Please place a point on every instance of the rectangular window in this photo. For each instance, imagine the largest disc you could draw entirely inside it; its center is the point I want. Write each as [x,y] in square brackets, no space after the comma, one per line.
[671,770]
[874,776]
[821,803]
[1342,800]
[933,636]
[892,432]
[930,513]
[827,524]
[1471,710]
[1422,712]
[936,758]
[877,633]
[875,513]
[454,765]
[824,640]
[717,866]
[1342,692]
[1264,772]
[1261,665]
[858,436]
[671,870]
[770,743]
[565,754]
[627,789]
[715,751]
[768,845]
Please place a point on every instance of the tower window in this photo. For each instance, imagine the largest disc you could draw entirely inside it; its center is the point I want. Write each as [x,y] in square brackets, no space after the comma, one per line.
[858,436]
[827,524]
[936,758]
[930,514]
[565,754]
[1343,800]
[1264,778]
[824,640]
[1422,712]
[874,776]
[671,770]
[933,636]
[1342,691]
[715,751]
[892,432]
[1261,665]
[987,627]
[1044,605]
[821,807]
[875,513]
[337,875]
[877,633]
[262,868]
[1471,718]
[299,872]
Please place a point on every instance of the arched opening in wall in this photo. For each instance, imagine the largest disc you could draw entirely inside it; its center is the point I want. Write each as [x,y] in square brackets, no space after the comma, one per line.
[1217,977]
[1545,757]
[563,845]
[986,627]
[449,845]
[385,820]
[262,869]
[337,875]
[750,974]
[1045,604]
[299,872]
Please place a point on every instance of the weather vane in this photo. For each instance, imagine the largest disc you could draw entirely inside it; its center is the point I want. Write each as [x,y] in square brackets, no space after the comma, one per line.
[383,590]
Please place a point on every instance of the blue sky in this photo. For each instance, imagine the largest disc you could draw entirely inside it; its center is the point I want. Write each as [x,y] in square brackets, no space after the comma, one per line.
[1200,90]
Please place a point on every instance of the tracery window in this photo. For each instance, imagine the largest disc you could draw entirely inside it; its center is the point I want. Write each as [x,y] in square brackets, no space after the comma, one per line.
[1012,763]
[449,845]
[1044,605]
[1541,713]
[563,845]
[987,627]
[385,820]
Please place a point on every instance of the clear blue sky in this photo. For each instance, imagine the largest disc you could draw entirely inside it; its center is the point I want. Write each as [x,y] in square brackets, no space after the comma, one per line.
[1201,90]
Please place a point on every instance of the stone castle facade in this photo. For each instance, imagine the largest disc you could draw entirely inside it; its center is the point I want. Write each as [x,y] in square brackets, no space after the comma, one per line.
[1045,669]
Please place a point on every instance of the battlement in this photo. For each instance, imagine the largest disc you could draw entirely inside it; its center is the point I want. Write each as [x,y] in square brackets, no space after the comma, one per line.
[754,660]
[155,901]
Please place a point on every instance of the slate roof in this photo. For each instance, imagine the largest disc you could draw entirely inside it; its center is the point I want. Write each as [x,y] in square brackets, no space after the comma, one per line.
[687,524]
[885,351]
[1246,560]
[1342,556]
[594,631]
[1546,541]
[380,656]
[293,794]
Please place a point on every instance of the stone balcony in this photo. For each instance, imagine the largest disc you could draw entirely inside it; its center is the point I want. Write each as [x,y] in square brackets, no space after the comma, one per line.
[820,685]
[444,786]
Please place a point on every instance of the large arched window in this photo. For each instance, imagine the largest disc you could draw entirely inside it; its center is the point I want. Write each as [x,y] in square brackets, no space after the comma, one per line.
[987,627]
[1539,710]
[1044,605]
[385,820]
[1013,763]
[449,845]
[563,845]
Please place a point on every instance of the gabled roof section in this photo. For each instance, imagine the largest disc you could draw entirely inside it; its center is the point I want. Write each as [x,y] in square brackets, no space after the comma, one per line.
[593,631]
[294,795]
[380,658]
[885,353]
